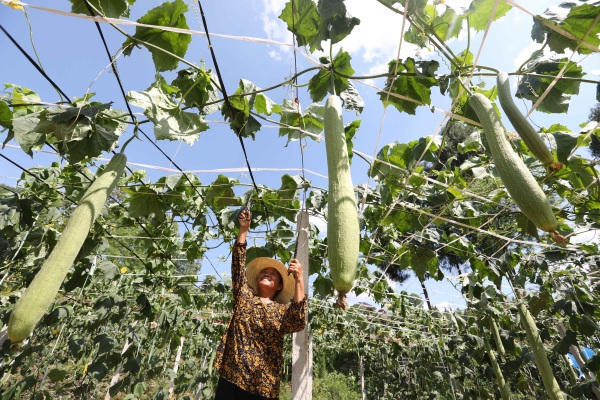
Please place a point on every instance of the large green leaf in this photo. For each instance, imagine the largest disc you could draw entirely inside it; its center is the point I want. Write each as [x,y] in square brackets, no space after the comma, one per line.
[397,154]
[349,132]
[5,115]
[545,68]
[448,25]
[170,121]
[422,261]
[220,193]
[310,121]
[143,201]
[170,14]
[283,202]
[412,80]
[77,132]
[246,98]
[107,8]
[576,18]
[313,23]
[196,89]
[322,83]
[336,23]
[481,10]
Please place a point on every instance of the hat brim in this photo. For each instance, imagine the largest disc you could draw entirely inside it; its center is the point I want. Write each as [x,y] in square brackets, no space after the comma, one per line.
[258,264]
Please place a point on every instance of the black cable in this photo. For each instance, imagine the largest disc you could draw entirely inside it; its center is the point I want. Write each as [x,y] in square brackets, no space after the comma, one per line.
[228,104]
[114,69]
[32,61]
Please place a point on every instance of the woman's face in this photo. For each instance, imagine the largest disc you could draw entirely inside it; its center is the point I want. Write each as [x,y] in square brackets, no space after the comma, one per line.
[270,278]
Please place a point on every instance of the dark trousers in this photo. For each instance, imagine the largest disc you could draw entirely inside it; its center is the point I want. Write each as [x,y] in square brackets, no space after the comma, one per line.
[228,391]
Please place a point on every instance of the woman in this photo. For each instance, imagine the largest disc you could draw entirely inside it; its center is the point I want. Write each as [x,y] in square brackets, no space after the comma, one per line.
[250,355]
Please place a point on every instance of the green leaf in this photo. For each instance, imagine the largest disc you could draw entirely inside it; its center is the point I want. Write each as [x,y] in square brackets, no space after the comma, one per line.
[462,106]
[448,25]
[593,364]
[352,99]
[5,115]
[241,122]
[220,193]
[336,23]
[574,17]
[311,121]
[170,121]
[107,8]
[481,10]
[526,225]
[350,131]
[30,131]
[105,343]
[304,23]
[106,128]
[321,84]
[283,202]
[97,370]
[422,261]
[57,375]
[412,82]
[77,347]
[570,339]
[110,270]
[23,100]
[565,143]
[197,89]
[143,201]
[397,154]
[170,14]
[313,23]
[557,100]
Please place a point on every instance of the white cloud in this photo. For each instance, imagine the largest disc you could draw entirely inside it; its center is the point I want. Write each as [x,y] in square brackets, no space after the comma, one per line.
[525,54]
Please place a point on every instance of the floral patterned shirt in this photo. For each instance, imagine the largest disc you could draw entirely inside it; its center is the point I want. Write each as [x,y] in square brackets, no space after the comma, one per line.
[251,352]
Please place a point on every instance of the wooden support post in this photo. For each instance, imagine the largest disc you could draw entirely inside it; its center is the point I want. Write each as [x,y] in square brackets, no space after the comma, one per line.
[302,368]
[176,367]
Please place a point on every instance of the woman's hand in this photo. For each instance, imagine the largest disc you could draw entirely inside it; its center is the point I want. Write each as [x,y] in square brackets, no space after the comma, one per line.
[244,219]
[295,269]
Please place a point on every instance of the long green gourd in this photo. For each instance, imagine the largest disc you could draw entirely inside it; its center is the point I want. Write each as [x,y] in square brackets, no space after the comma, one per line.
[42,290]
[503,386]
[520,183]
[343,232]
[539,354]
[525,130]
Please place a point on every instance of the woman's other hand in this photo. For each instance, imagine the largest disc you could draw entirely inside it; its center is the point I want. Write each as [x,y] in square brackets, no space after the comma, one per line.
[295,269]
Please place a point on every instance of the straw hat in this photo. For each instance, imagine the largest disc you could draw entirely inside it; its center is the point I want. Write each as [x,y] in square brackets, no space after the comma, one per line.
[258,264]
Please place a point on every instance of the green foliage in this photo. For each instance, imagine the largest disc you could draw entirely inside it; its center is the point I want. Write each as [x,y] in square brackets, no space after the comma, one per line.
[329,80]
[577,19]
[159,42]
[107,8]
[409,84]
[557,99]
[314,23]
[170,121]
[434,205]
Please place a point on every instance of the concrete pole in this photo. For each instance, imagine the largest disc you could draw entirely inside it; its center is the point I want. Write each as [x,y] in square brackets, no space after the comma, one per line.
[302,368]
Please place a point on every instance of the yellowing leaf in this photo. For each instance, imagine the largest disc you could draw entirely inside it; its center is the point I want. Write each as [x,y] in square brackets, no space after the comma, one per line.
[14,4]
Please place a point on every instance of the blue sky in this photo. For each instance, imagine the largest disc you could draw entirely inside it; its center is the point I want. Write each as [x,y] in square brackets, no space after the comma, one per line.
[72,54]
